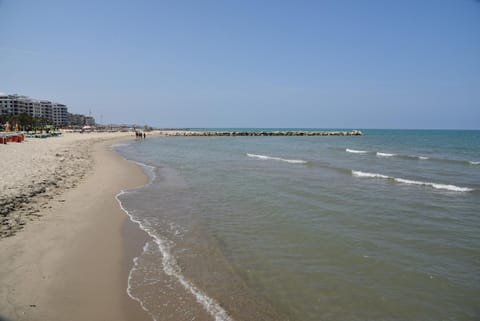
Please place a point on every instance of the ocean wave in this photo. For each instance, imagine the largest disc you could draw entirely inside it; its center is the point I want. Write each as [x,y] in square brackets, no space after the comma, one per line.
[135,260]
[413,157]
[291,161]
[130,276]
[385,154]
[348,150]
[368,175]
[380,154]
[447,187]
[170,266]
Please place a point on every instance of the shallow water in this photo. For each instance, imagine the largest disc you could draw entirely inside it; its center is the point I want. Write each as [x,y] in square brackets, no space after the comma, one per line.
[379,227]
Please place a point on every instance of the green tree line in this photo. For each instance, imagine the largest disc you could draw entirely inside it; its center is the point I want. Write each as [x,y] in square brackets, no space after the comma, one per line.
[25,122]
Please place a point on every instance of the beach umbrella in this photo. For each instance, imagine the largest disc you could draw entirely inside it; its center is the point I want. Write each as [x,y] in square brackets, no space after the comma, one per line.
[17,128]
[7,128]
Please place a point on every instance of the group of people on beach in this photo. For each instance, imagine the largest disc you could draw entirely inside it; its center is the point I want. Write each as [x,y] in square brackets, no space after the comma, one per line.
[140,135]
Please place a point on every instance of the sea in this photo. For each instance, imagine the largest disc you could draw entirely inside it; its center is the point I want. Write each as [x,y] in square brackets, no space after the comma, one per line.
[384,226]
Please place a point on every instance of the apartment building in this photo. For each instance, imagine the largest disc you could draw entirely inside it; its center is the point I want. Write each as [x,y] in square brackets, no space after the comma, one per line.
[59,114]
[80,120]
[16,105]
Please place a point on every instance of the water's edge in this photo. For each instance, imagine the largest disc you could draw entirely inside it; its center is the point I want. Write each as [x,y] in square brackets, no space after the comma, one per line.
[169,264]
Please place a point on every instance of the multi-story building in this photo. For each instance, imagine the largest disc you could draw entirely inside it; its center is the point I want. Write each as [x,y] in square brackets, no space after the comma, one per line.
[80,120]
[47,109]
[89,121]
[5,104]
[16,105]
[76,119]
[59,114]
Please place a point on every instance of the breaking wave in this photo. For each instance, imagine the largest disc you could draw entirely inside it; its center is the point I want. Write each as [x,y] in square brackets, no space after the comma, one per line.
[291,161]
[411,157]
[353,151]
[447,187]
[368,175]
[385,154]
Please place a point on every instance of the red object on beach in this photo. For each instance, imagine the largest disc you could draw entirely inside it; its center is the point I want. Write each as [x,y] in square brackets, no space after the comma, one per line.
[15,138]
[3,140]
[22,138]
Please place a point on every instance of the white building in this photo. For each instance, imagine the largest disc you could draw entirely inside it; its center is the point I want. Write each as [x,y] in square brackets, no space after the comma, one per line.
[14,104]
[59,114]
[5,103]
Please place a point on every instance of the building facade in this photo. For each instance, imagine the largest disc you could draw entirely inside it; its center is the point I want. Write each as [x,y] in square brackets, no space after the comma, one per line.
[80,120]
[16,105]
[60,114]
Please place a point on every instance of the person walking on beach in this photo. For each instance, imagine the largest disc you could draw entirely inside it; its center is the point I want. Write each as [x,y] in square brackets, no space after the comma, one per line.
[144,135]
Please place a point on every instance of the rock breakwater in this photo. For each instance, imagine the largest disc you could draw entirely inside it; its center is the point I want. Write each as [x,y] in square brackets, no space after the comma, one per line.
[263,133]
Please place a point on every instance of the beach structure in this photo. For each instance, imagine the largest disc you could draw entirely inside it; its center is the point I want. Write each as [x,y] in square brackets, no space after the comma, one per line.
[11,137]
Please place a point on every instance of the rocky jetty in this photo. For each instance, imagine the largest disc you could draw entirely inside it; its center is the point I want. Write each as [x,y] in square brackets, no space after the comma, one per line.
[263,133]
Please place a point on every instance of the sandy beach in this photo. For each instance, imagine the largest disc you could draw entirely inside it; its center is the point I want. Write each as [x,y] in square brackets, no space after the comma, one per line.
[63,249]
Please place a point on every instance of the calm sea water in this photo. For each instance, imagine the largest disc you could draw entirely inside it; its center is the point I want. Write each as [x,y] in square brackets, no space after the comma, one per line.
[380,227]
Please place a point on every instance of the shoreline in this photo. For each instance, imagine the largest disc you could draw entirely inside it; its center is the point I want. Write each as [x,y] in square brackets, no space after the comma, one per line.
[73,261]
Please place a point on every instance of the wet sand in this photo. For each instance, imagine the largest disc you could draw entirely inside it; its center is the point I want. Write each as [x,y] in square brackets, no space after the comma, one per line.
[72,262]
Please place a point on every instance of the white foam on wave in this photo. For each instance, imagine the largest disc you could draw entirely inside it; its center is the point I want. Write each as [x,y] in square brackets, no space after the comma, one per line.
[348,150]
[416,157]
[135,260]
[474,163]
[368,175]
[447,187]
[435,185]
[385,154]
[291,161]
[380,154]
[171,268]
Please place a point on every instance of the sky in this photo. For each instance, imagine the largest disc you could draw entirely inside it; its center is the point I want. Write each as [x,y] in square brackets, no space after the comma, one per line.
[318,64]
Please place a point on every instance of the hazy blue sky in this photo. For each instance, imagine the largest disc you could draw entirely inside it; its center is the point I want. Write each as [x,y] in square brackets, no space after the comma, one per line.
[338,63]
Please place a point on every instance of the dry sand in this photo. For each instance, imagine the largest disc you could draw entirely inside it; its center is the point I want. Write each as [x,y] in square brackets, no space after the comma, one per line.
[70,261]
[34,171]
